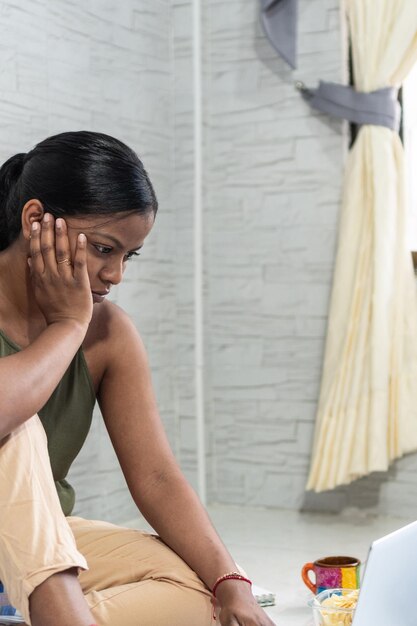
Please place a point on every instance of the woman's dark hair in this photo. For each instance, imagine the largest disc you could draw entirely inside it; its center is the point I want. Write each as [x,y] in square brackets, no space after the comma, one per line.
[75,173]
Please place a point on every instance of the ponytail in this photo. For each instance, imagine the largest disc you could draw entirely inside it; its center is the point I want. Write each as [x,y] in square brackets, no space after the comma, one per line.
[9,199]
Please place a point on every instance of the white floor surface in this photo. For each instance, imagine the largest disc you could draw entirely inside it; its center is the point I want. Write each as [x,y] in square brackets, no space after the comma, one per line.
[272,546]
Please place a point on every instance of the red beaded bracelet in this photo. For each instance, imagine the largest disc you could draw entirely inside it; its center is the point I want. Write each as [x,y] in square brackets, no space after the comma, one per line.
[230,576]
[221,579]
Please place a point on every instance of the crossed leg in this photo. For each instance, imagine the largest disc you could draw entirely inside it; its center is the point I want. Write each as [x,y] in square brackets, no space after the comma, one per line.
[36,541]
[134,578]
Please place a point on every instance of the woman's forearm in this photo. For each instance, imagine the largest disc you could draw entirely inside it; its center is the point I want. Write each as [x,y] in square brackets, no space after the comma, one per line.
[173,509]
[28,377]
[175,512]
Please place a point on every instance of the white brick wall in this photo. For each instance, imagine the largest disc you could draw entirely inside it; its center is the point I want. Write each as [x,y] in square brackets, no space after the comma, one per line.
[106,66]
[273,187]
[182,197]
[272,181]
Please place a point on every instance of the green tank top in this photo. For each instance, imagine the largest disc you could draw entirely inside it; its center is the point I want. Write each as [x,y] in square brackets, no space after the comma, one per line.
[66,418]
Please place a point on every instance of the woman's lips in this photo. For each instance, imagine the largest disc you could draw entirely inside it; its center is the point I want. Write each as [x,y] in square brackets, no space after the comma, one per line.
[98,297]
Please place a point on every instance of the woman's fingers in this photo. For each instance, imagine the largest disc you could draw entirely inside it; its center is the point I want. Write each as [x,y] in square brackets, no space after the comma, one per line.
[62,248]
[36,264]
[50,250]
[241,617]
[80,259]
[48,242]
[61,289]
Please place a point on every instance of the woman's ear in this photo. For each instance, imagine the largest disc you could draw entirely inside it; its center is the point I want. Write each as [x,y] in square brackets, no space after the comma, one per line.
[31,212]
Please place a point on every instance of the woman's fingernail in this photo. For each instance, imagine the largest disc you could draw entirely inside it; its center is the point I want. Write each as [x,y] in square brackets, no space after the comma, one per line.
[47,217]
[30,262]
[82,238]
[58,223]
[35,226]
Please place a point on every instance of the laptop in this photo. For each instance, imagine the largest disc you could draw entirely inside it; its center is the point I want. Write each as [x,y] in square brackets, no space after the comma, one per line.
[388,593]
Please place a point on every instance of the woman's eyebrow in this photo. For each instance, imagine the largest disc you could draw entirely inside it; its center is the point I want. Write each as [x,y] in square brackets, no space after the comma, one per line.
[112,238]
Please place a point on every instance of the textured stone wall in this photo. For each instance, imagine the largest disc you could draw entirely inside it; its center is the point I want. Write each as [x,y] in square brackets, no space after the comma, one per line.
[105,66]
[274,172]
[272,183]
[182,197]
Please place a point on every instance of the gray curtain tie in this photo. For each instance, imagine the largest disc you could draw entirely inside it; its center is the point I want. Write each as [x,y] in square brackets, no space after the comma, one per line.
[378,108]
[279,21]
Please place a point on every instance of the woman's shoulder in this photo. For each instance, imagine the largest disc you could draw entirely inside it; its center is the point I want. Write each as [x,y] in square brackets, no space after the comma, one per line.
[111,330]
[109,325]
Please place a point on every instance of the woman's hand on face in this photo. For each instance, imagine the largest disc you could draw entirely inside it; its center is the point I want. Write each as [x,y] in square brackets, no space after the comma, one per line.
[238,606]
[60,283]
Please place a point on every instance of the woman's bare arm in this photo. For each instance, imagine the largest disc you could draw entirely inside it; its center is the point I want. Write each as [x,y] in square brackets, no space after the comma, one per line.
[155,481]
[62,292]
[28,377]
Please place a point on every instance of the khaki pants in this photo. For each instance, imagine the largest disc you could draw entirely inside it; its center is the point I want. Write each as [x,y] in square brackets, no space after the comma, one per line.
[133,579]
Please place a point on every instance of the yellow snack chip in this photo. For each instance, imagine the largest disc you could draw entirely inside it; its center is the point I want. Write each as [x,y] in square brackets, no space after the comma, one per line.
[346,603]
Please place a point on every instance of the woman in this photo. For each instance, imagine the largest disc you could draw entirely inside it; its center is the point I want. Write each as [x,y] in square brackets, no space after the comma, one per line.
[73,212]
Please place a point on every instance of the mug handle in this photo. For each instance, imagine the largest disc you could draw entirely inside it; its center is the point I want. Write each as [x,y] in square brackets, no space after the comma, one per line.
[308,567]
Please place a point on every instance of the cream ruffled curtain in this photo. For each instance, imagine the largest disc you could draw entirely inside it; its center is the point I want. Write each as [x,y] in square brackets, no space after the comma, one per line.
[367,414]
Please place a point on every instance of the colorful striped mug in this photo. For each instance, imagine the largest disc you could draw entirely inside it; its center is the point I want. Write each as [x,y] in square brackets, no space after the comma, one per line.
[332,572]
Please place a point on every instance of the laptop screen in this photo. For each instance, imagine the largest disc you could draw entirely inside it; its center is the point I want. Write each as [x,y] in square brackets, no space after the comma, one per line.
[388,594]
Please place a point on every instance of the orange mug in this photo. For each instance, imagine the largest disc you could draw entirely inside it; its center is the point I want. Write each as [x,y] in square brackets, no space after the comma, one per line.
[332,572]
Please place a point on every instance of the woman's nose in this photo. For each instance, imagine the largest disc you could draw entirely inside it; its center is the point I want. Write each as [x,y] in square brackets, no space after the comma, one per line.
[112,273]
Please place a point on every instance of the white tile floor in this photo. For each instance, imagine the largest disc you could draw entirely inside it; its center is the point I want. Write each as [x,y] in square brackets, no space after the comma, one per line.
[272,546]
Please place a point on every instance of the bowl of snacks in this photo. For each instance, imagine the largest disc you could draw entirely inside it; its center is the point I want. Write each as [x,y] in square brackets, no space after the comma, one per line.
[334,607]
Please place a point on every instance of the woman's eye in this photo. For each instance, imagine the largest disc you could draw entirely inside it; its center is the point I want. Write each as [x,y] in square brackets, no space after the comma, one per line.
[102,249]
[129,256]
